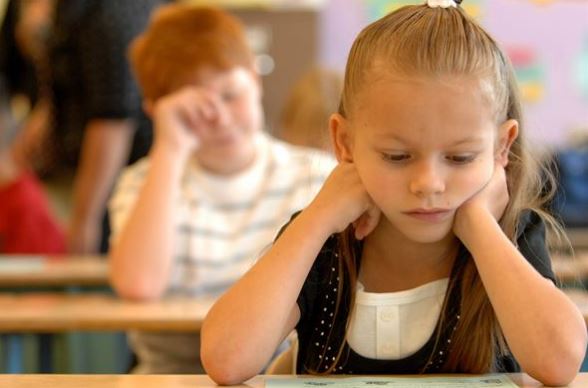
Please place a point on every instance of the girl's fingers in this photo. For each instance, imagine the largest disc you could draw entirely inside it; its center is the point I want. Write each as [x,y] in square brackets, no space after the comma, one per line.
[367,222]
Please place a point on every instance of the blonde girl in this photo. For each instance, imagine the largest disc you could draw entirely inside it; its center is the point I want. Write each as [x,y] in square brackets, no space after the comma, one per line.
[425,250]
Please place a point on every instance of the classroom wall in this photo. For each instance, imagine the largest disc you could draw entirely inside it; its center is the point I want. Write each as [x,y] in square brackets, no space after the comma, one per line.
[547,41]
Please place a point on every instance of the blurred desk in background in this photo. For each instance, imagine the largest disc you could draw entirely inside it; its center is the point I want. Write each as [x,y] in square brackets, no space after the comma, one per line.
[578,237]
[569,269]
[56,312]
[45,271]
[580,299]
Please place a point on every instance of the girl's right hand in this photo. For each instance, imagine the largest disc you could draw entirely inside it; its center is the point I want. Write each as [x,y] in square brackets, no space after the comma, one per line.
[184,118]
[343,200]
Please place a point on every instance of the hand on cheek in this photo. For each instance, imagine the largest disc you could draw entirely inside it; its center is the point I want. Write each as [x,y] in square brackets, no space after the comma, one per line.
[367,222]
[491,200]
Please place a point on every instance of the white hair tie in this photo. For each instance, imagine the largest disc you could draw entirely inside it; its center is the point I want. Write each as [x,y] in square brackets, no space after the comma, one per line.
[442,3]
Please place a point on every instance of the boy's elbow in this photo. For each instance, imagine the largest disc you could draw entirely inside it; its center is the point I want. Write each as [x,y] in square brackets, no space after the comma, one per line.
[135,292]
[132,285]
[133,289]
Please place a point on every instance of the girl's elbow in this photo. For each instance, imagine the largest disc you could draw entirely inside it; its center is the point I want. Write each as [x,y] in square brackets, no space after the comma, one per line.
[556,376]
[560,370]
[222,368]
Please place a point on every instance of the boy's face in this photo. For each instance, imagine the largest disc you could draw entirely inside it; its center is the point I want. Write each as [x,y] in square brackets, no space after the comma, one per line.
[231,146]
[422,148]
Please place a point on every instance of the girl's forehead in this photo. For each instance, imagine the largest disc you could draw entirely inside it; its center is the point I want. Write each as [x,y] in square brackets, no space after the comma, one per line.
[432,109]
[400,94]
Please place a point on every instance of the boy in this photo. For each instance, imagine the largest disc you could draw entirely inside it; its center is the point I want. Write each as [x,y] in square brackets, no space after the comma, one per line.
[191,218]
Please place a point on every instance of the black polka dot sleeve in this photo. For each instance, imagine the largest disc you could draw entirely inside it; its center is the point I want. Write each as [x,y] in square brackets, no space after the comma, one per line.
[531,243]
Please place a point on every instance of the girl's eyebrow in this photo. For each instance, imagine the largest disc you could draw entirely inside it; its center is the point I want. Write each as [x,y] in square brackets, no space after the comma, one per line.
[395,137]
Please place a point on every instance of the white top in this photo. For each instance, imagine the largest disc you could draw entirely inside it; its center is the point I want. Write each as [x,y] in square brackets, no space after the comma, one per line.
[395,325]
[222,225]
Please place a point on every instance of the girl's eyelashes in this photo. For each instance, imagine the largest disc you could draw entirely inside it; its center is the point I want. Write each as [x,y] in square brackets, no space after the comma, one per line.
[405,157]
[461,159]
[400,157]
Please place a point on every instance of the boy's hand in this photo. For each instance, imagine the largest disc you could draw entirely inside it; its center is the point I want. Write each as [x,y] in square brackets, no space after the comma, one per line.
[343,200]
[492,199]
[183,119]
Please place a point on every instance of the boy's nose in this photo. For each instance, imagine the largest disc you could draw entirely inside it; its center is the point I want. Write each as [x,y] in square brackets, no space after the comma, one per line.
[222,116]
[427,180]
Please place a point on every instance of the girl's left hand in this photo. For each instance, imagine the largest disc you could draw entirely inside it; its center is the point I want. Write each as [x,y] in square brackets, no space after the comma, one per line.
[492,199]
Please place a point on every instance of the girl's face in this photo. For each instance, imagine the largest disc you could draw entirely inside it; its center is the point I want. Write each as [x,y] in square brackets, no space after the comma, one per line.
[422,147]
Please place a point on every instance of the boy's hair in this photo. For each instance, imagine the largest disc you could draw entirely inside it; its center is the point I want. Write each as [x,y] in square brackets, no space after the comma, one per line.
[311,102]
[420,41]
[182,39]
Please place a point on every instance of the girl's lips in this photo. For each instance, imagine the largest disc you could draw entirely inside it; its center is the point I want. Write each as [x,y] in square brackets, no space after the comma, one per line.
[436,215]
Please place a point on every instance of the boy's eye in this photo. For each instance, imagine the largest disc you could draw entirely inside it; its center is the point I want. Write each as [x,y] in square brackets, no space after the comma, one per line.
[396,157]
[229,96]
[461,159]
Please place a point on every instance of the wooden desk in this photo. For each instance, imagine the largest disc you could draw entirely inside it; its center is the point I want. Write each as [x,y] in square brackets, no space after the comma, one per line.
[569,269]
[578,237]
[180,381]
[580,298]
[53,312]
[32,271]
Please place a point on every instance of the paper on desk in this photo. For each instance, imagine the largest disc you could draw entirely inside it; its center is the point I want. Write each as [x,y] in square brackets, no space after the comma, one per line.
[487,381]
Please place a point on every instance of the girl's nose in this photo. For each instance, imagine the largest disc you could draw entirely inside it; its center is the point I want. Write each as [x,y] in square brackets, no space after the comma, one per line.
[427,180]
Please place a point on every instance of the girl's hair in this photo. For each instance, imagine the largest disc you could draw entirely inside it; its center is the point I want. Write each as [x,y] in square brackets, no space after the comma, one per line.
[312,100]
[437,42]
[180,40]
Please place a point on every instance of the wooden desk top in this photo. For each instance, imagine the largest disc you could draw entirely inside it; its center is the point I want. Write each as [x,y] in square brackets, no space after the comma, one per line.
[59,312]
[54,312]
[568,269]
[578,237]
[580,298]
[31,271]
[179,381]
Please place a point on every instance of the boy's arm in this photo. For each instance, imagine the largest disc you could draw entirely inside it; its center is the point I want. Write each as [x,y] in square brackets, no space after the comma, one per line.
[543,328]
[141,255]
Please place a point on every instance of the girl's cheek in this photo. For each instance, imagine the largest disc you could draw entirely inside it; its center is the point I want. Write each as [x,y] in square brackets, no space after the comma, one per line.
[472,182]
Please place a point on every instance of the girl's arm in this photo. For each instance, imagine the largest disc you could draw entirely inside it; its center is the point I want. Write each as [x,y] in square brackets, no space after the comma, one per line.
[244,328]
[141,257]
[543,328]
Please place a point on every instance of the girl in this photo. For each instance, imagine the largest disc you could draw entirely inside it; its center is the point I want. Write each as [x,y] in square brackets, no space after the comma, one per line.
[425,250]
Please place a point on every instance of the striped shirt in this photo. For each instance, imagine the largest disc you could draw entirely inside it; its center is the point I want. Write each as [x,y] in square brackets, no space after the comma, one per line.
[223,224]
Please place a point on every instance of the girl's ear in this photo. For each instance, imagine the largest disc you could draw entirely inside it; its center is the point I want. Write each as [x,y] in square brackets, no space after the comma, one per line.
[148,108]
[507,134]
[341,137]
